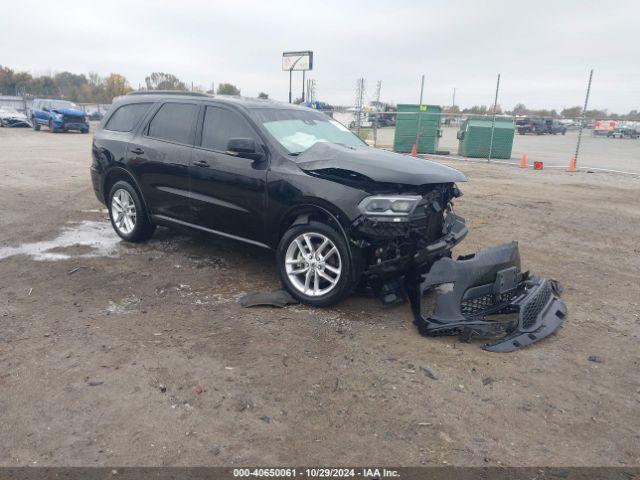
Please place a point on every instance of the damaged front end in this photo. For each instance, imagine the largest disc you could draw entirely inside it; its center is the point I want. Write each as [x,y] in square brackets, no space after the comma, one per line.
[392,243]
[486,295]
[480,295]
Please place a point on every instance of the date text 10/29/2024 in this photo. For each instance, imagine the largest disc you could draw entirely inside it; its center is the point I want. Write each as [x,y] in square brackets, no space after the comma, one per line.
[368,473]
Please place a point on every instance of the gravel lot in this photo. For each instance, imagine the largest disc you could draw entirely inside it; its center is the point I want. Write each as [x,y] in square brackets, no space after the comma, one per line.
[103,343]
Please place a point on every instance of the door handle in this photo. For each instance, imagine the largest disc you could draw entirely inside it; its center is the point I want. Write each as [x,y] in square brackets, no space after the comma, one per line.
[137,151]
[201,163]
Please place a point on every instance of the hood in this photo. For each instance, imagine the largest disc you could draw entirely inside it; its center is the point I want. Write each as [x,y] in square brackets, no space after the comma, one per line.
[70,111]
[375,165]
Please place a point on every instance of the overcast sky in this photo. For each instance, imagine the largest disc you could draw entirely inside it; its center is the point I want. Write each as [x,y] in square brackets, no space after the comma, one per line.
[543,49]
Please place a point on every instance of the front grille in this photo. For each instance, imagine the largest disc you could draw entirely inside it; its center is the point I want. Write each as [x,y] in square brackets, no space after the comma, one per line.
[73,118]
[532,309]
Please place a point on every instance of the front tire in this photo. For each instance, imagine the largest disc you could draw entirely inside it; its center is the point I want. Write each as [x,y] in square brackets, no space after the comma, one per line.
[314,264]
[36,125]
[51,127]
[127,213]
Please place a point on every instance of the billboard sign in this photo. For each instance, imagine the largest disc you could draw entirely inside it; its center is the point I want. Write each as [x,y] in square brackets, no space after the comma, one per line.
[297,61]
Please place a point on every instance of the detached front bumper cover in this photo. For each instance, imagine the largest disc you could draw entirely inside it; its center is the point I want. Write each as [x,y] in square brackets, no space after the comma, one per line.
[486,294]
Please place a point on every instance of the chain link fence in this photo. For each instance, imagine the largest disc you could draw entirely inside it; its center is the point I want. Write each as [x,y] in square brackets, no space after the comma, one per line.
[520,140]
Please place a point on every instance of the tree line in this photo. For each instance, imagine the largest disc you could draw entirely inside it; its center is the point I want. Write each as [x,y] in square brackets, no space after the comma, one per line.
[93,88]
[521,109]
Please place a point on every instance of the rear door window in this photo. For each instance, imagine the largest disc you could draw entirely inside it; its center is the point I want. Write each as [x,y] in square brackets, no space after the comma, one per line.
[127,117]
[174,122]
[220,125]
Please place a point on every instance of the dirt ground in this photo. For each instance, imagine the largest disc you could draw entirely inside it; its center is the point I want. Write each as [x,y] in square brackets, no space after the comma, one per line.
[102,343]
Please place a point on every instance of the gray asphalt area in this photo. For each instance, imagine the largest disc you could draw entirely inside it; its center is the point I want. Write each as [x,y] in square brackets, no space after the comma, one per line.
[596,152]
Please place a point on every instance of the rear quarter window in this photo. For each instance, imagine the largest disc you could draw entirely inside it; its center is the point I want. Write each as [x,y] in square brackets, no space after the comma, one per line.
[127,117]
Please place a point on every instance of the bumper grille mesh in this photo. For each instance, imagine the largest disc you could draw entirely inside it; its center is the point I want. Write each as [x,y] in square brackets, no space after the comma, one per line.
[532,309]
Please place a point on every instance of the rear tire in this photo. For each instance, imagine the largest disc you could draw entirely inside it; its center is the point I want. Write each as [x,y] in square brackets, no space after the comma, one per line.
[319,275]
[127,213]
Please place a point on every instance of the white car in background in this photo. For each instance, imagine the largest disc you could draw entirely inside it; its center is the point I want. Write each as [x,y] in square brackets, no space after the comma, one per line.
[10,117]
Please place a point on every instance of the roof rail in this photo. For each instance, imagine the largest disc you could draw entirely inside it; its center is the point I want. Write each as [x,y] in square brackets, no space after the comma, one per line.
[168,92]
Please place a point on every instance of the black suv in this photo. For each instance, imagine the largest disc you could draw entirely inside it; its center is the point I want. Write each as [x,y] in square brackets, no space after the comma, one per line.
[277,176]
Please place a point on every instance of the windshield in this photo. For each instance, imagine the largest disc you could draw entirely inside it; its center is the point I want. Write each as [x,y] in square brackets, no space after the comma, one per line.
[299,130]
[59,104]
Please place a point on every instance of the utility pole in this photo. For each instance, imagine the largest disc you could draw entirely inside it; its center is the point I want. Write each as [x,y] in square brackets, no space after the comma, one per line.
[493,123]
[419,115]
[584,112]
[359,100]
[378,88]
[377,112]
[453,103]
[303,80]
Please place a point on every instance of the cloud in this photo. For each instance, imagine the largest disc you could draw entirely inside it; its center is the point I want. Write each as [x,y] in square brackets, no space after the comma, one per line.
[544,53]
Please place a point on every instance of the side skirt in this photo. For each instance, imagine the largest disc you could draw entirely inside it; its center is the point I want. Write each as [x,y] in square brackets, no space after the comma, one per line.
[165,219]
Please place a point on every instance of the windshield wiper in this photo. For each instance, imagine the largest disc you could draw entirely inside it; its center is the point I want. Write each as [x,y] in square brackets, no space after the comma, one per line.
[295,154]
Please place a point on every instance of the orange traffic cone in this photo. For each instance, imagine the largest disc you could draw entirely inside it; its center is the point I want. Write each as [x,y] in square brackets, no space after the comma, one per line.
[414,151]
[523,161]
[572,165]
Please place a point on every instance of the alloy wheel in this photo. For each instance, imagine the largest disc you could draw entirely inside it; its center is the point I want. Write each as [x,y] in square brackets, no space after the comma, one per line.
[123,211]
[313,264]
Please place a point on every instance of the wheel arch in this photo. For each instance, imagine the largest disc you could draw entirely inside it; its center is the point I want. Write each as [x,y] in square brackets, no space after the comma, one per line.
[116,174]
[304,213]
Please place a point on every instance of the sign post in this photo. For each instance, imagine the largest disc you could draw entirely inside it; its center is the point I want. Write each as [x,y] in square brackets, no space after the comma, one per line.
[302,61]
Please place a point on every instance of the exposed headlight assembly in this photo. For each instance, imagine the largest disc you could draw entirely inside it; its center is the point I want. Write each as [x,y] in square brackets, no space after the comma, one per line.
[394,208]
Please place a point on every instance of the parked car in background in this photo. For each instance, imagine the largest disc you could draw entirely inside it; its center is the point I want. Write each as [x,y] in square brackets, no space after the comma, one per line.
[554,127]
[623,132]
[95,115]
[10,117]
[323,107]
[386,113]
[530,125]
[58,116]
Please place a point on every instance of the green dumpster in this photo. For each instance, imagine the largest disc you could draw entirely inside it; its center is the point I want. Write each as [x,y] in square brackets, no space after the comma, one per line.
[474,138]
[408,119]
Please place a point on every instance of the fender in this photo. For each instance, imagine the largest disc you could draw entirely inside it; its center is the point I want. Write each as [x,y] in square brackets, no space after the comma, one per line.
[123,171]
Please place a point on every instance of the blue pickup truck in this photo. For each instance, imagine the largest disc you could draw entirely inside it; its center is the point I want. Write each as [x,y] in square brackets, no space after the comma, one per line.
[58,116]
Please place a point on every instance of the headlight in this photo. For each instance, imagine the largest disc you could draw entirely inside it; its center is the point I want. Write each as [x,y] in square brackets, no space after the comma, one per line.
[398,207]
[58,116]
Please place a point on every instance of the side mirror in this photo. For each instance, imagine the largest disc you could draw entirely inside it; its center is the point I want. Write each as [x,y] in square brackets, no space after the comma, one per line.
[243,147]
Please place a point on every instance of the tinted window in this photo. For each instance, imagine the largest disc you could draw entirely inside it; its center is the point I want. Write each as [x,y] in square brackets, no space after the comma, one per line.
[174,122]
[127,117]
[220,125]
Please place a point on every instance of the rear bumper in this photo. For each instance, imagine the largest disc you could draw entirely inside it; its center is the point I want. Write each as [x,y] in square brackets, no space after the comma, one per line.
[486,295]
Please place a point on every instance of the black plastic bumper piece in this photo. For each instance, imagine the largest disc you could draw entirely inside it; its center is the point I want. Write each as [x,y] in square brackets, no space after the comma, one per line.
[487,295]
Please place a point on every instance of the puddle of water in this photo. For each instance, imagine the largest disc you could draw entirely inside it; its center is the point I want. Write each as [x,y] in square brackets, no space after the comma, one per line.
[98,236]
